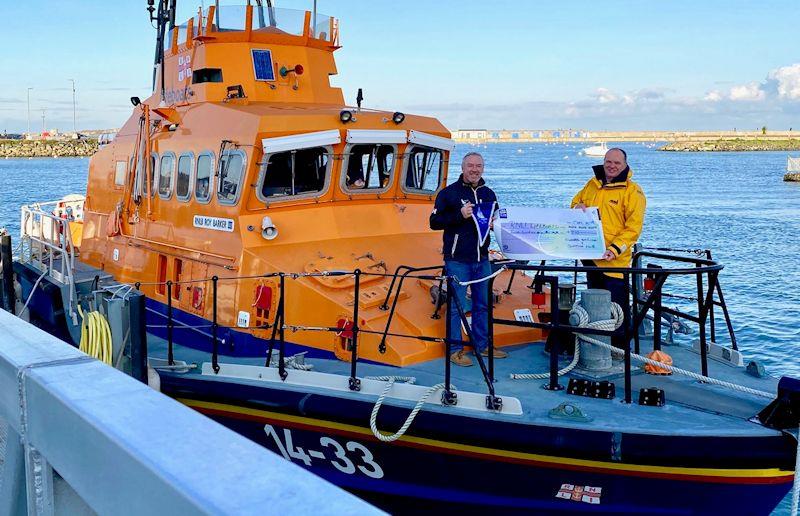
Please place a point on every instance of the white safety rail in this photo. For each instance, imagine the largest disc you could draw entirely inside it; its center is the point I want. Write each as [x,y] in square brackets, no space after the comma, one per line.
[46,241]
[82,437]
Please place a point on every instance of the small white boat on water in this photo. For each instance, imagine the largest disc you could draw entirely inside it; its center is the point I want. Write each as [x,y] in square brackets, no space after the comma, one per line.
[596,150]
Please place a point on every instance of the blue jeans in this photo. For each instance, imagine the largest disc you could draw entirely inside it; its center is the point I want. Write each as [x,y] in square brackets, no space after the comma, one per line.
[468,271]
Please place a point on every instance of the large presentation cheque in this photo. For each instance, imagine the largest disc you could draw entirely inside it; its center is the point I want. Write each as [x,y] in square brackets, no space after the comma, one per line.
[547,233]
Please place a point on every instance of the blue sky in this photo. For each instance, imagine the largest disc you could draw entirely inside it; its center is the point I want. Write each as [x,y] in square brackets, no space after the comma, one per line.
[613,65]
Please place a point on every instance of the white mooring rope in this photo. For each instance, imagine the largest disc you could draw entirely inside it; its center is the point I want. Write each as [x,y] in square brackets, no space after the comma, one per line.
[485,278]
[410,419]
[605,324]
[583,321]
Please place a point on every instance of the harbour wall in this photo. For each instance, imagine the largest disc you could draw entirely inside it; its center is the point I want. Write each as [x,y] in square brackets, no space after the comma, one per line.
[47,148]
[585,136]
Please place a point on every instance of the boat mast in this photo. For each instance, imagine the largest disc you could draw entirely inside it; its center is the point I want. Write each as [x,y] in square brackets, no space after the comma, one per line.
[164,17]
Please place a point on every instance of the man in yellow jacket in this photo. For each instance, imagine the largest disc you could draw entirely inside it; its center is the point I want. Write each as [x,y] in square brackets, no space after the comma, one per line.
[621,204]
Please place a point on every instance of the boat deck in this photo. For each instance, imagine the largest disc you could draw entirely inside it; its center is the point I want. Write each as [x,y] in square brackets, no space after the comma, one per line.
[692,407]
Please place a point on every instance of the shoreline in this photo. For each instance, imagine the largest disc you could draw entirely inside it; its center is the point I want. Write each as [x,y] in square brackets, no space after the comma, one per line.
[733,145]
[47,148]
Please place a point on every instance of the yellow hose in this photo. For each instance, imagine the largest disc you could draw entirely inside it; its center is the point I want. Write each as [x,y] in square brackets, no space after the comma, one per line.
[95,336]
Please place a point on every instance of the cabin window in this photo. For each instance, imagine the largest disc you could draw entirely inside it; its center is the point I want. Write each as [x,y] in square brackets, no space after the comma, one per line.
[140,186]
[119,173]
[206,75]
[425,170]
[165,172]
[231,171]
[369,168]
[184,180]
[203,177]
[296,172]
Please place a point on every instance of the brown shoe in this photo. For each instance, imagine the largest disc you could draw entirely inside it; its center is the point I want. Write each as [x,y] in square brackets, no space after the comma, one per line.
[460,359]
[498,353]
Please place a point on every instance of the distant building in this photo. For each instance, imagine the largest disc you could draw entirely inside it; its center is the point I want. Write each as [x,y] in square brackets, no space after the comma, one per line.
[470,134]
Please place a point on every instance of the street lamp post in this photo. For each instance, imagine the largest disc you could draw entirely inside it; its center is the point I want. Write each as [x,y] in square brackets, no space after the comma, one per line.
[74,125]
[43,129]
[29,110]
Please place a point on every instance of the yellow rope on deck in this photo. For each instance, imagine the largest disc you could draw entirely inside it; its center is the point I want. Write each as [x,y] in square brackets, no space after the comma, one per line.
[95,336]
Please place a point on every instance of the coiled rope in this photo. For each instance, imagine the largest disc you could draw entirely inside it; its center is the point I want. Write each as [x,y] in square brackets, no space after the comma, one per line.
[583,321]
[95,336]
[373,425]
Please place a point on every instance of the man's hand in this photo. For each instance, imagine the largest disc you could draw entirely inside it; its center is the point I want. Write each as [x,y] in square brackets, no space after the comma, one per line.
[580,206]
[466,210]
[608,255]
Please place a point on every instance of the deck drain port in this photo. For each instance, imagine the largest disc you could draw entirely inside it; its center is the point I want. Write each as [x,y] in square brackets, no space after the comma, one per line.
[652,397]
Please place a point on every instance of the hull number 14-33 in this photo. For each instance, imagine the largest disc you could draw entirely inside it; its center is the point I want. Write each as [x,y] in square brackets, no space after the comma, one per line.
[350,458]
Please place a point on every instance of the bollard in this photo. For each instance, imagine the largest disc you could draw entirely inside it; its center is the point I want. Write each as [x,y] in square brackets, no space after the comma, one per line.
[597,304]
[7,274]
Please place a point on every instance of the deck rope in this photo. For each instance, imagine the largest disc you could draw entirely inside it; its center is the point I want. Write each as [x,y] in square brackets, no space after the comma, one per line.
[583,321]
[479,280]
[411,380]
[373,425]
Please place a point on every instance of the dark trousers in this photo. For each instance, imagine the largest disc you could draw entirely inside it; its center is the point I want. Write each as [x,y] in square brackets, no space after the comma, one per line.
[620,294]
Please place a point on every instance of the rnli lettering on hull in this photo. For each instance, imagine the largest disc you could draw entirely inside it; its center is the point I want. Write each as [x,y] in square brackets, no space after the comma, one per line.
[215,223]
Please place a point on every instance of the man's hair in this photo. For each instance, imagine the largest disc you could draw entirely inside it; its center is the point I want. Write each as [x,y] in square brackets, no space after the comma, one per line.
[624,154]
[467,155]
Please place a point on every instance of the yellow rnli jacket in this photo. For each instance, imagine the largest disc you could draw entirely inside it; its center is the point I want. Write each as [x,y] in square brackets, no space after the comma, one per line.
[621,204]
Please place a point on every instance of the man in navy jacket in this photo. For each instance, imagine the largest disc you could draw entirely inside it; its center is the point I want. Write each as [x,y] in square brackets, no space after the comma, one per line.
[466,254]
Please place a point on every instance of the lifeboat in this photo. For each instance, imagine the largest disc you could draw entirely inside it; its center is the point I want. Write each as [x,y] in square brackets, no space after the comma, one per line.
[272,242]
[246,161]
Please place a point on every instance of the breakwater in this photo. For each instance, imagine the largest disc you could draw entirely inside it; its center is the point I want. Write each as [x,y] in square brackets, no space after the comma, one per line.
[47,148]
[734,145]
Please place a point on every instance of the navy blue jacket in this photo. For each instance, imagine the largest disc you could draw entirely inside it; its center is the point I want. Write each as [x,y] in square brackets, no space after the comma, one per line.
[461,241]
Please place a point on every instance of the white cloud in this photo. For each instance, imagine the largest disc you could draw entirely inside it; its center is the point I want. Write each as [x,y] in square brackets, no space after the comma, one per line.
[750,91]
[788,81]
[605,96]
[714,96]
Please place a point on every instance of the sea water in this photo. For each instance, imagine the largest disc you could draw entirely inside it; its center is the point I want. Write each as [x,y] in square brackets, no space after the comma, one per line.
[734,203]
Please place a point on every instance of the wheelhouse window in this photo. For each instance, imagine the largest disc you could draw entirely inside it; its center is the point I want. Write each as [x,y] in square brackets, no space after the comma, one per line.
[184,180]
[165,172]
[425,170]
[203,178]
[295,172]
[231,172]
[369,167]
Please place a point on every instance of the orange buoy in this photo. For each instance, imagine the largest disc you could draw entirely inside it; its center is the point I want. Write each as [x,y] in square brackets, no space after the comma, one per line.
[658,356]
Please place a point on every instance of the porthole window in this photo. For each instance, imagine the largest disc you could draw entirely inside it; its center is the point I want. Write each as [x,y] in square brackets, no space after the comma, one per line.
[203,177]
[166,171]
[184,180]
[231,172]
